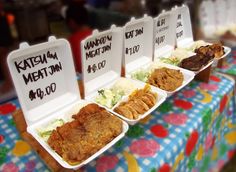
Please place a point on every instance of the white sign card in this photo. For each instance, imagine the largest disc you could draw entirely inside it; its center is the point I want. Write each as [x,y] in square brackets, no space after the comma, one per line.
[41,74]
[101,56]
[138,41]
[184,34]
[164,33]
[97,55]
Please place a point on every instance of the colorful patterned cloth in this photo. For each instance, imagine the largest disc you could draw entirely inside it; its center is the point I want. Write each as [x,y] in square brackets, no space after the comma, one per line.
[229,65]
[194,130]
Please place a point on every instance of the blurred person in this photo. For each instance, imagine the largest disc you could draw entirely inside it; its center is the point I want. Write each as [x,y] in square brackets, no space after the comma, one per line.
[77,21]
[6,40]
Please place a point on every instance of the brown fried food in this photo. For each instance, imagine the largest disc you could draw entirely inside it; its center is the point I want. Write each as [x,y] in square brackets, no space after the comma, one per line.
[214,50]
[92,128]
[218,50]
[166,79]
[138,103]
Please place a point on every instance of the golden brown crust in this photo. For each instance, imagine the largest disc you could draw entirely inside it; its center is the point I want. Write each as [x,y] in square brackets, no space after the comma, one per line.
[139,102]
[92,128]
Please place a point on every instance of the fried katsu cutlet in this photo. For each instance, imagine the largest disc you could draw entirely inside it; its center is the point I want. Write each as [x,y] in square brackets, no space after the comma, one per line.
[92,128]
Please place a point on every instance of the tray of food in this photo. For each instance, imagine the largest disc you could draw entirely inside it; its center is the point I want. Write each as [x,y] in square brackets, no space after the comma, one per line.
[189,54]
[73,131]
[129,99]
[167,77]
[79,133]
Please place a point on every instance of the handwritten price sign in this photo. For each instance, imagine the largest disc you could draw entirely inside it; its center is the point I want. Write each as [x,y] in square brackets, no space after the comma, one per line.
[94,67]
[40,93]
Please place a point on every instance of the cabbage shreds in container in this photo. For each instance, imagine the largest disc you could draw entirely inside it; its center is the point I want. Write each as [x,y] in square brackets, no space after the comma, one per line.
[45,132]
[109,97]
[176,56]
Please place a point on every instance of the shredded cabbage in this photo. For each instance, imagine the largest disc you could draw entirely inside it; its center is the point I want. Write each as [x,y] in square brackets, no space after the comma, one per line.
[46,131]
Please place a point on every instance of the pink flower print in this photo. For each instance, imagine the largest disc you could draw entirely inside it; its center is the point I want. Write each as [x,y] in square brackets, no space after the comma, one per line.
[106,163]
[144,148]
[175,119]
[220,164]
[10,167]
[208,142]
[189,93]
[209,87]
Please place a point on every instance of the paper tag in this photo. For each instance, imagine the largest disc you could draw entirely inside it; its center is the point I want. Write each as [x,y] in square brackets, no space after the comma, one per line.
[97,57]
[164,33]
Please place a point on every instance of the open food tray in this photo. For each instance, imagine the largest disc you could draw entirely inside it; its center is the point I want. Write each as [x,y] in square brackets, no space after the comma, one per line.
[110,73]
[66,114]
[185,39]
[47,88]
[161,97]
[188,75]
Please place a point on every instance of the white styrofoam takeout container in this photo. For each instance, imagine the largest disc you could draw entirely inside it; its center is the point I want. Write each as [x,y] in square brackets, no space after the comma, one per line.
[45,81]
[143,59]
[185,40]
[188,75]
[105,77]
[138,85]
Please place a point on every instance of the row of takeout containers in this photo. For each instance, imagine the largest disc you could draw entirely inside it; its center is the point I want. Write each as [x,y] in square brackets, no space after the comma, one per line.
[45,79]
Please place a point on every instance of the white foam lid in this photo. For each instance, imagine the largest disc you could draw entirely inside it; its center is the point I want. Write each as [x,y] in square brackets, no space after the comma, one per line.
[164,33]
[184,34]
[138,43]
[55,78]
[102,54]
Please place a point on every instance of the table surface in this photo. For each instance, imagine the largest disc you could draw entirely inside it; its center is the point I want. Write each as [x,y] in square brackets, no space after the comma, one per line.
[194,130]
[229,65]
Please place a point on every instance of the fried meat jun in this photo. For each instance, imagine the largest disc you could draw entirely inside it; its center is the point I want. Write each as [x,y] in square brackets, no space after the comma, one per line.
[92,128]
[166,79]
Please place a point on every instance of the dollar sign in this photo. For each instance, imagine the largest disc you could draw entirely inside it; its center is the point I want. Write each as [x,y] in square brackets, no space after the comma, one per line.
[32,95]
[94,68]
[89,69]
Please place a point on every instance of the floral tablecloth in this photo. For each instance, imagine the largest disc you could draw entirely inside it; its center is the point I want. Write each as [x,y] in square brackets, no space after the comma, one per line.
[194,130]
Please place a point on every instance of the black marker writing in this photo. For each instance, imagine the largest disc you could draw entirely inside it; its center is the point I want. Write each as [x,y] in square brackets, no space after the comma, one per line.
[41,93]
[98,51]
[97,42]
